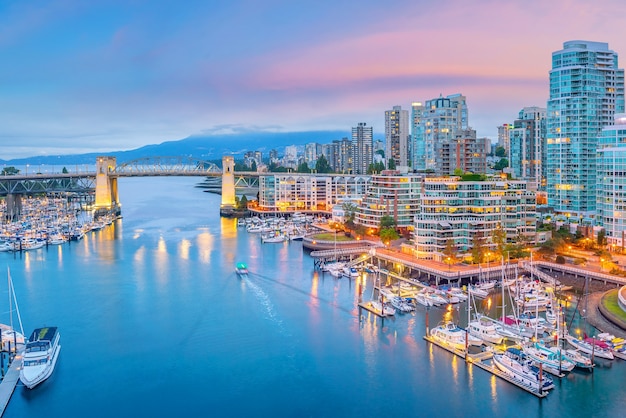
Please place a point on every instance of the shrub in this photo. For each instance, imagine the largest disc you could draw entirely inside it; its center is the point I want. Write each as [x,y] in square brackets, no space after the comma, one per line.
[560,259]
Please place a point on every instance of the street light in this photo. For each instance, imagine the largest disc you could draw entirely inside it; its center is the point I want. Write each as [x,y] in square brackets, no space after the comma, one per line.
[449,263]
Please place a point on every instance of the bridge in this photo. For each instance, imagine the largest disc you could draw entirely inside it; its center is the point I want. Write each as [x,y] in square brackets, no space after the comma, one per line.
[104,179]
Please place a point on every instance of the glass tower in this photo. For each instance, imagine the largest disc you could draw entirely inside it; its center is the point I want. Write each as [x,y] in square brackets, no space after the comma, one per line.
[586,90]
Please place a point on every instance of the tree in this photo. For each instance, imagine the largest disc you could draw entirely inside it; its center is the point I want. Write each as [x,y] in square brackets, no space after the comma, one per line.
[64,171]
[388,234]
[253,166]
[502,164]
[478,249]
[10,171]
[349,209]
[303,168]
[602,238]
[449,252]
[458,171]
[387,221]
[391,165]
[322,166]
[500,152]
[498,237]
[243,202]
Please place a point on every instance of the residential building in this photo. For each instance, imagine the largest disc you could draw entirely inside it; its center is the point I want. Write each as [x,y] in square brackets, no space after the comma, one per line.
[611,177]
[465,152]
[586,90]
[390,194]
[526,150]
[361,148]
[503,136]
[397,136]
[417,146]
[291,192]
[466,212]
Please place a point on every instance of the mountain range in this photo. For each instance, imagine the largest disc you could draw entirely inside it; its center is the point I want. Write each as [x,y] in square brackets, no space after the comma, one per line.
[201,147]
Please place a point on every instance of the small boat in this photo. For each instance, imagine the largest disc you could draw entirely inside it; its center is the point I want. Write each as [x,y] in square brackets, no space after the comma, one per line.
[551,361]
[383,308]
[241,269]
[578,358]
[589,348]
[477,292]
[40,356]
[452,336]
[513,364]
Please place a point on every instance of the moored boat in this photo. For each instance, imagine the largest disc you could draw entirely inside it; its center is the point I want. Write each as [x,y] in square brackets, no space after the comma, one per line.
[40,356]
[485,330]
[451,335]
[513,364]
[589,348]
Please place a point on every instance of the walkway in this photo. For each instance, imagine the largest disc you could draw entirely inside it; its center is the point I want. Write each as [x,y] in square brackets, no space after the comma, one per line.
[7,386]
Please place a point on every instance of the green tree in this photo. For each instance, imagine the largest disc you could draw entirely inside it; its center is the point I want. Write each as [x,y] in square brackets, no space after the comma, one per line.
[458,171]
[322,166]
[478,249]
[303,168]
[243,202]
[602,238]
[500,151]
[387,221]
[449,252]
[64,171]
[10,171]
[498,237]
[349,209]
[388,234]
[391,164]
[502,164]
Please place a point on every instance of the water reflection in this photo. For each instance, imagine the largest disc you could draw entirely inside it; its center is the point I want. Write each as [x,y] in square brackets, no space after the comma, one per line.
[205,242]
[183,249]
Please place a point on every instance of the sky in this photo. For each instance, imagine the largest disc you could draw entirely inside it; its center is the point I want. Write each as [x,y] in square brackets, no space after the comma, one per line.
[103,75]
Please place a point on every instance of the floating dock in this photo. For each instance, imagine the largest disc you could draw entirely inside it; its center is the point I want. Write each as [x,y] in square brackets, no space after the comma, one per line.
[479,360]
[9,382]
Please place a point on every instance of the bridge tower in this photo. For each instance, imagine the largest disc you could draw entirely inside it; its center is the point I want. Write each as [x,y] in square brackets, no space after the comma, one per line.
[228,186]
[106,186]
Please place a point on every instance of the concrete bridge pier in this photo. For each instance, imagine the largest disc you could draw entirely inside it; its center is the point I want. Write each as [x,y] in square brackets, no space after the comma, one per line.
[227,208]
[107,196]
[14,207]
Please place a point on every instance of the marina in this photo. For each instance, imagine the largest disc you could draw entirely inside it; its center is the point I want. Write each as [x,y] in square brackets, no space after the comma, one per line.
[163,282]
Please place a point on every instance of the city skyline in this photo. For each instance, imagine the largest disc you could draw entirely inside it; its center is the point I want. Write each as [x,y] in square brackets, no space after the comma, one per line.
[105,76]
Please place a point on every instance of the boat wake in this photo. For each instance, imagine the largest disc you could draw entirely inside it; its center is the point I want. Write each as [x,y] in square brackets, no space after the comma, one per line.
[270,311]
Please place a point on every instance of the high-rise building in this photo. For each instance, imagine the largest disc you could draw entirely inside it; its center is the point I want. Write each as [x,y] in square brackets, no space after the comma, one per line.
[526,150]
[362,144]
[586,90]
[503,136]
[611,177]
[397,136]
[440,120]
[416,148]
[465,152]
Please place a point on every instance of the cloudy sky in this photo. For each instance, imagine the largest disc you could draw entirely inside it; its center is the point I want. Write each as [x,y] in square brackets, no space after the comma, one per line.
[102,75]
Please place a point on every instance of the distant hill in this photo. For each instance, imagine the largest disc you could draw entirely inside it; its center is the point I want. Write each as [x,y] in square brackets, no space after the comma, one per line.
[210,147]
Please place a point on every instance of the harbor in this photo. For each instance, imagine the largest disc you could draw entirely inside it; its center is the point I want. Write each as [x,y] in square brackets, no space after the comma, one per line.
[172,315]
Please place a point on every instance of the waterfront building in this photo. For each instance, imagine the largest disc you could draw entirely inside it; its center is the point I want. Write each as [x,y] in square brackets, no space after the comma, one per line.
[611,176]
[526,150]
[397,136]
[362,148]
[391,194]
[465,152]
[440,120]
[465,211]
[503,136]
[294,192]
[586,90]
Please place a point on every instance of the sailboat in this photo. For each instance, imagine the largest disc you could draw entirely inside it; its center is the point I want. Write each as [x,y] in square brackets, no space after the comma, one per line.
[11,337]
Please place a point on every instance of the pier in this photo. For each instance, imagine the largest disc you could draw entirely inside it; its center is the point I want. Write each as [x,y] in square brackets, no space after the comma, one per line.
[10,379]
[479,359]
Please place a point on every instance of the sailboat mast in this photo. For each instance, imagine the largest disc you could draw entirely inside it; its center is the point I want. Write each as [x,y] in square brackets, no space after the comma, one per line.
[17,308]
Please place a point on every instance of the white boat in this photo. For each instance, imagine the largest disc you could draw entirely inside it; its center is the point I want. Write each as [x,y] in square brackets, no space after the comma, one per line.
[241,269]
[40,356]
[400,304]
[578,358]
[477,292]
[422,299]
[513,364]
[384,309]
[273,238]
[551,361]
[451,335]
[350,272]
[485,330]
[458,293]
[589,348]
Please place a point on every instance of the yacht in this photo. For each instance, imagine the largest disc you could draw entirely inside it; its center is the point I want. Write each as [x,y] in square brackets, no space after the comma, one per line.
[589,348]
[241,269]
[552,362]
[40,356]
[513,364]
[450,335]
[578,358]
[383,308]
[485,330]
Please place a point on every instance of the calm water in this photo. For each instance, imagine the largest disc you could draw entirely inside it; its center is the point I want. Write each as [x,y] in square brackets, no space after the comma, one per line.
[154,322]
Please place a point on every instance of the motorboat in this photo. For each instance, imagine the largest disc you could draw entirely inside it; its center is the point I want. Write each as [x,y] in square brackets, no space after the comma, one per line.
[384,309]
[514,365]
[449,334]
[40,356]
[241,269]
[485,330]
[552,362]
[579,359]
[477,292]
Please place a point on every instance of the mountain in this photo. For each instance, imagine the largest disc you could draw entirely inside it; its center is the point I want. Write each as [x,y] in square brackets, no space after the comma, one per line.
[206,147]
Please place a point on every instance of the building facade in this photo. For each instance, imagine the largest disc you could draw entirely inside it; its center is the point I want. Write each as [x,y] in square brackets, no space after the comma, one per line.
[526,140]
[465,153]
[586,90]
[397,136]
[465,211]
[611,177]
[291,192]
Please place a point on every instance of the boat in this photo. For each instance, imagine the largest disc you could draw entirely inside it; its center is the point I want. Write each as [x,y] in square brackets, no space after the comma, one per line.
[350,272]
[383,308]
[401,304]
[273,238]
[589,348]
[477,292]
[550,359]
[449,334]
[40,356]
[578,358]
[514,365]
[241,269]
[485,330]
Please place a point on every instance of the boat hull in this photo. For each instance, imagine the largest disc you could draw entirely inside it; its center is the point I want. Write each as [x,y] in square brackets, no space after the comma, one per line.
[32,382]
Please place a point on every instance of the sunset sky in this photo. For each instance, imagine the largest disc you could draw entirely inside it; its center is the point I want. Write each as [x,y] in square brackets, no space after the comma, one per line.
[81,76]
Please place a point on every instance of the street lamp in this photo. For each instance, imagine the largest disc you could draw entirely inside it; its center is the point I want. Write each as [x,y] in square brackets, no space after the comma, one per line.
[449,263]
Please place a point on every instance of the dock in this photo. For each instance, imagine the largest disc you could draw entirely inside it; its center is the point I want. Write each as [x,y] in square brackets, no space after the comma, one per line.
[9,382]
[479,359]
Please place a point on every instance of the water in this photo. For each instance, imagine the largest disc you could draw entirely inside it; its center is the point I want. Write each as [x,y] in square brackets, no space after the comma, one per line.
[154,322]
